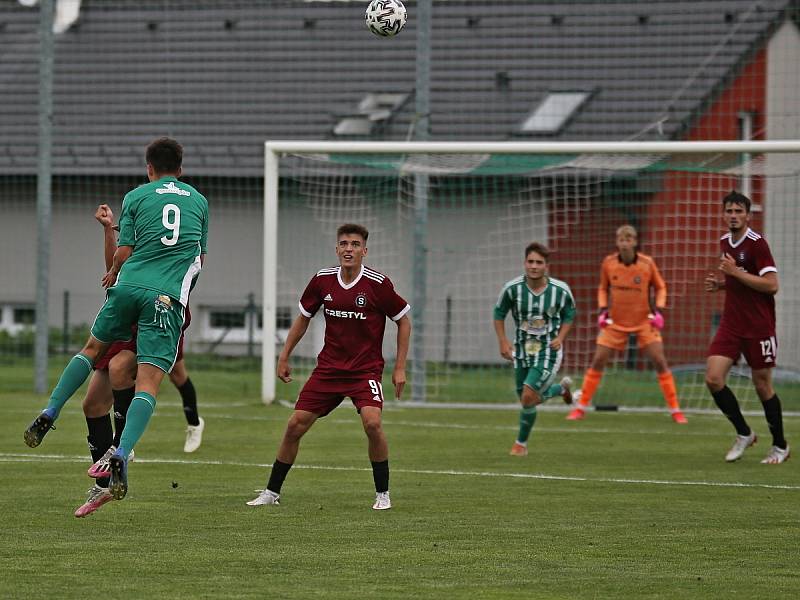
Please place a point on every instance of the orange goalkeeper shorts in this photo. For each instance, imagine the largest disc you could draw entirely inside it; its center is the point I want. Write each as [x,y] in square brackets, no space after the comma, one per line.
[611,337]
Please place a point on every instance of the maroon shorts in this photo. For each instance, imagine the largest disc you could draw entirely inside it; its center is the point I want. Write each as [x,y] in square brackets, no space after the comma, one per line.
[113,350]
[117,347]
[759,353]
[321,395]
[187,320]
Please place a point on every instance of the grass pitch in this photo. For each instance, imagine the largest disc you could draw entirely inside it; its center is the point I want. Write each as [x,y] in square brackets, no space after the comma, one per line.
[619,505]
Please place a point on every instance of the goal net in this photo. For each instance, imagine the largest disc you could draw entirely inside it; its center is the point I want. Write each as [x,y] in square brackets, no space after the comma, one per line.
[449,223]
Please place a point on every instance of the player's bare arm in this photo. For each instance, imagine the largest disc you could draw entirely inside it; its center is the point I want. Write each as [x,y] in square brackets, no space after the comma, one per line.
[105,216]
[506,350]
[766,283]
[122,254]
[558,341]
[296,333]
[399,373]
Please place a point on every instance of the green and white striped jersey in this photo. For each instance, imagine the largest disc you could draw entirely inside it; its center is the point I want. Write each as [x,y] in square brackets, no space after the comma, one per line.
[537,317]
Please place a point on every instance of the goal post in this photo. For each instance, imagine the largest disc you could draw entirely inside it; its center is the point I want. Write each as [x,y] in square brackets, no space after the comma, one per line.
[483,202]
[269,293]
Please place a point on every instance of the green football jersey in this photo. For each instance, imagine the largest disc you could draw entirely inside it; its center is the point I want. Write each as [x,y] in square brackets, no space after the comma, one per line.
[537,317]
[166,222]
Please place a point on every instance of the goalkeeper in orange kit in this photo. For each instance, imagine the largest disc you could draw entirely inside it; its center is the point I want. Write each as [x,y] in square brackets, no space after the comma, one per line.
[623,298]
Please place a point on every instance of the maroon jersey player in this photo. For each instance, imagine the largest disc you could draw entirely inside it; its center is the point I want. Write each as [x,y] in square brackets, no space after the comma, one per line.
[747,327]
[355,301]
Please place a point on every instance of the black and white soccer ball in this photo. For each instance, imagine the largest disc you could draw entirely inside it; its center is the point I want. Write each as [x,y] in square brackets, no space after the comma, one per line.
[385,17]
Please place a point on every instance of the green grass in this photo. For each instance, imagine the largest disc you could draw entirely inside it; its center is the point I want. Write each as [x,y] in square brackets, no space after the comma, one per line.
[619,505]
[445,383]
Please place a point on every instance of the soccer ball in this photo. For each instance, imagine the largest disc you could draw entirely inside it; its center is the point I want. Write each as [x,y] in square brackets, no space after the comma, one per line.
[385,17]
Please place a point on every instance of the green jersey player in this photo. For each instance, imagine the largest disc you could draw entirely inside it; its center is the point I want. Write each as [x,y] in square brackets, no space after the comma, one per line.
[543,310]
[161,249]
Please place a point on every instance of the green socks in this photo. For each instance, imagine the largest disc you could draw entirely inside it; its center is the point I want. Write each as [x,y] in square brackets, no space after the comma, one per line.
[527,417]
[73,376]
[139,413]
[553,391]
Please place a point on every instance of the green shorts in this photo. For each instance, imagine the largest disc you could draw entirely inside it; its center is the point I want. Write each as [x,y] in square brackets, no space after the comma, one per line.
[158,319]
[541,373]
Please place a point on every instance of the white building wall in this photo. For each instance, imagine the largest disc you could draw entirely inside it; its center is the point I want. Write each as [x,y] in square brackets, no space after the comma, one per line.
[76,257]
[783,193]
[472,253]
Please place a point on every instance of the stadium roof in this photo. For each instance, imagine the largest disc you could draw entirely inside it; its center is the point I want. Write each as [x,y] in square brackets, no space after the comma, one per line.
[223,77]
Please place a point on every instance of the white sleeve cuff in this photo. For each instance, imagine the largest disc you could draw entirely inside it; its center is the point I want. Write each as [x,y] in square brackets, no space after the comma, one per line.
[303,311]
[401,313]
[768,270]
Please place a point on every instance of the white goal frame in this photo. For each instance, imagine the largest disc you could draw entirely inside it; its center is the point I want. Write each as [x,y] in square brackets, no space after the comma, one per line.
[274,149]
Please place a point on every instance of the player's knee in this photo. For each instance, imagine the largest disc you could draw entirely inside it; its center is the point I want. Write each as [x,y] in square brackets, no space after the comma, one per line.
[122,370]
[714,382]
[599,362]
[94,406]
[94,349]
[373,427]
[296,428]
[530,397]
[764,389]
[178,375]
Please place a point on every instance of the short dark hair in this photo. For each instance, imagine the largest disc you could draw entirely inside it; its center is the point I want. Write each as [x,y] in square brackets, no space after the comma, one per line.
[540,249]
[352,228]
[736,198]
[165,155]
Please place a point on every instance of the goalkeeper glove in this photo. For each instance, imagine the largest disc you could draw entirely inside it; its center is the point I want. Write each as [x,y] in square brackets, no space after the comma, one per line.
[603,320]
[656,319]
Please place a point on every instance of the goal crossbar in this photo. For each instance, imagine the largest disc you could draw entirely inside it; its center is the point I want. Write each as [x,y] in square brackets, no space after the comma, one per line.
[348,147]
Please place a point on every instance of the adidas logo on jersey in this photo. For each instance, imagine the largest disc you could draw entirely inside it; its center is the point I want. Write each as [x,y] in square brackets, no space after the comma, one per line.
[328,298]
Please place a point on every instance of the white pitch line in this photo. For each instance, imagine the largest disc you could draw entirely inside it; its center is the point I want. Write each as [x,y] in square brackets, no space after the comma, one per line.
[676,430]
[544,429]
[580,429]
[14,457]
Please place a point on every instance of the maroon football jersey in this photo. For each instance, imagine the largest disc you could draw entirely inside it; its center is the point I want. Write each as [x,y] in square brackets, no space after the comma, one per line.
[748,313]
[355,319]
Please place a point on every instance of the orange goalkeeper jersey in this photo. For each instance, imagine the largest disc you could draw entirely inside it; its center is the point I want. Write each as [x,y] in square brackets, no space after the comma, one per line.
[625,290]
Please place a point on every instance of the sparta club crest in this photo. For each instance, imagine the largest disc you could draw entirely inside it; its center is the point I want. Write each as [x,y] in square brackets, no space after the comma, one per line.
[361,300]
